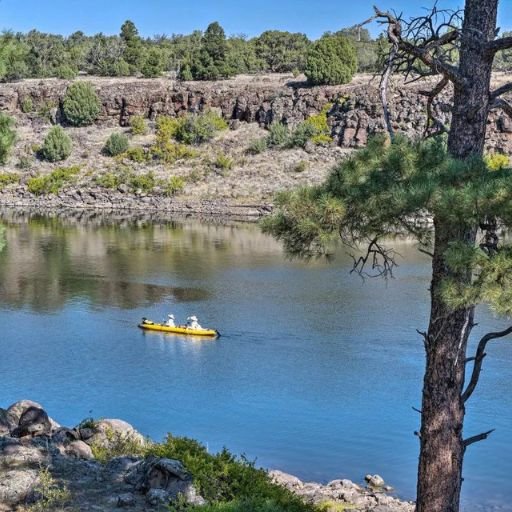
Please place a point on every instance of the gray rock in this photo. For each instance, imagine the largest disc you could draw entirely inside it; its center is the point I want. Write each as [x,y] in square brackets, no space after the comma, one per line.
[126,500]
[158,497]
[375,481]
[18,408]
[33,422]
[79,450]
[16,485]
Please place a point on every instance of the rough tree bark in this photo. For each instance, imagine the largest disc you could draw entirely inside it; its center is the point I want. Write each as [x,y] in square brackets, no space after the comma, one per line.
[441,437]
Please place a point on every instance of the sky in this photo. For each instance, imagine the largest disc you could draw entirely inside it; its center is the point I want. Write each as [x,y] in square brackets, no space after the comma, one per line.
[249,17]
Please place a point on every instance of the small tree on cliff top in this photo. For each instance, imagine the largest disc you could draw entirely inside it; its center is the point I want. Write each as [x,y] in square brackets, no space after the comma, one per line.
[332,60]
[389,188]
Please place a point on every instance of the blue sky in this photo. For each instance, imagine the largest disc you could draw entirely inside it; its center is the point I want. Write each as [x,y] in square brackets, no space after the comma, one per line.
[250,17]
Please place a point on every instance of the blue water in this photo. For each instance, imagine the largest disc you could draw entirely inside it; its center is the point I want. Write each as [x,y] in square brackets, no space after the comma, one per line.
[316,372]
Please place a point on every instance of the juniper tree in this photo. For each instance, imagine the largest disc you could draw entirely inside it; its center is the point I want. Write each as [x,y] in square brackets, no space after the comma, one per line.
[396,187]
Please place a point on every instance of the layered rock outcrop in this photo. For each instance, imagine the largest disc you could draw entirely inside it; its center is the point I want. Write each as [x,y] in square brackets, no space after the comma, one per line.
[356,115]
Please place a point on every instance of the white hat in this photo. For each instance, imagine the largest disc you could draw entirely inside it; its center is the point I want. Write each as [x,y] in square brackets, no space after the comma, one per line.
[170,316]
[193,318]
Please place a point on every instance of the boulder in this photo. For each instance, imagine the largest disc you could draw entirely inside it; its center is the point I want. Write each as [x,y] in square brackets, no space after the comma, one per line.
[79,450]
[163,480]
[18,408]
[375,481]
[6,423]
[16,485]
[33,422]
[106,433]
[16,454]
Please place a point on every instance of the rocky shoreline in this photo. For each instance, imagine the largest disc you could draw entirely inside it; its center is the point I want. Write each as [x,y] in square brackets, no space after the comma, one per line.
[40,458]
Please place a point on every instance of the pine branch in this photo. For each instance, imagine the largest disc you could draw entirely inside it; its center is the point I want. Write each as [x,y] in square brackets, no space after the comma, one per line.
[500,44]
[503,104]
[500,90]
[479,357]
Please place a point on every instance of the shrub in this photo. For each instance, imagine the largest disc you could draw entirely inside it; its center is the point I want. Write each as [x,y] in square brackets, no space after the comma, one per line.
[118,445]
[170,152]
[46,110]
[53,182]
[108,180]
[225,477]
[7,178]
[7,137]
[331,60]
[257,146]
[314,128]
[223,162]
[166,127]
[52,496]
[300,166]
[137,155]
[81,105]
[497,161]
[56,146]
[25,162]
[66,72]
[138,125]
[27,105]
[144,182]
[279,135]
[116,144]
[302,134]
[199,128]
[174,185]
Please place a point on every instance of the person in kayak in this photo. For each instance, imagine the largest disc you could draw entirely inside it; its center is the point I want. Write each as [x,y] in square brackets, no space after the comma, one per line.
[192,323]
[170,321]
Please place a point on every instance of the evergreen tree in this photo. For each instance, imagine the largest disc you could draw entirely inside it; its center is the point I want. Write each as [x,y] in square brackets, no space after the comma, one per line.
[388,189]
[133,53]
[210,62]
[332,60]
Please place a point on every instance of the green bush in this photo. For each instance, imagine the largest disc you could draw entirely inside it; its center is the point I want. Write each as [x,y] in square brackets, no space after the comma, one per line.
[199,128]
[53,182]
[108,180]
[174,186]
[116,144]
[7,136]
[170,152]
[7,178]
[138,125]
[223,162]
[279,135]
[81,105]
[25,162]
[497,161]
[66,72]
[27,105]
[300,166]
[332,60]
[137,155]
[223,477]
[315,129]
[257,146]
[144,182]
[57,145]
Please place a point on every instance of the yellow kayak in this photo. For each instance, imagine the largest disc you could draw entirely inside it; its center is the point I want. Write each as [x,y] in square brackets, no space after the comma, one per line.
[179,329]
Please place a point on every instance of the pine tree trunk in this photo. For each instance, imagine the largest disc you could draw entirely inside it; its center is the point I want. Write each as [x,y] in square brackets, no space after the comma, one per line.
[441,436]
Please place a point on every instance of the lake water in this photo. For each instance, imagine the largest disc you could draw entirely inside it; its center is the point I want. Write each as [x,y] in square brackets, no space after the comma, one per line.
[316,372]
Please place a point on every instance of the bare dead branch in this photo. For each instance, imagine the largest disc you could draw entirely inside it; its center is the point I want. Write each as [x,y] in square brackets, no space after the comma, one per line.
[428,253]
[432,120]
[475,439]
[500,90]
[428,44]
[383,88]
[381,261]
[500,44]
[503,104]
[419,411]
[478,359]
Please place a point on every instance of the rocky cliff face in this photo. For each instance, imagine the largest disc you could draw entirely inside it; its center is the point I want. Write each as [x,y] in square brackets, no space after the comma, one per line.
[357,112]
